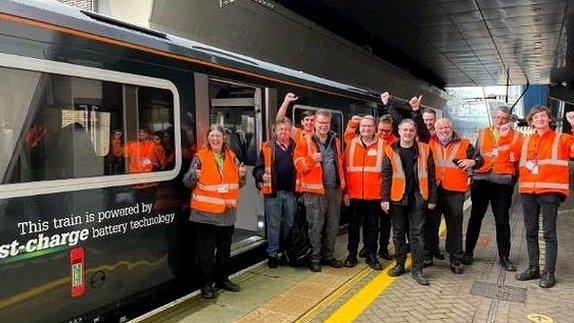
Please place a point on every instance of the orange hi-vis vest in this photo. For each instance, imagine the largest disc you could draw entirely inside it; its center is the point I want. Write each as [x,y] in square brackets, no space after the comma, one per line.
[544,164]
[143,155]
[398,184]
[309,172]
[497,155]
[363,167]
[215,190]
[448,174]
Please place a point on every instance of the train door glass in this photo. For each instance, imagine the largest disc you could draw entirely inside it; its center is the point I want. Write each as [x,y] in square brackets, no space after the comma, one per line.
[237,107]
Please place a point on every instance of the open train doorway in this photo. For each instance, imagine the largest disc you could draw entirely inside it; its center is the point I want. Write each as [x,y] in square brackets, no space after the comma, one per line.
[237,107]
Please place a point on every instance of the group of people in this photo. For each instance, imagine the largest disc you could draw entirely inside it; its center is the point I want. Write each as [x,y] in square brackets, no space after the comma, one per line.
[403,177]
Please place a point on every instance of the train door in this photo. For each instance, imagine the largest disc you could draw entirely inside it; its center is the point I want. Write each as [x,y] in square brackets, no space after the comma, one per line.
[237,107]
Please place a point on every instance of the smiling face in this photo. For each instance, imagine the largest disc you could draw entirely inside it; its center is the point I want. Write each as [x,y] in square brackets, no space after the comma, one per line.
[429,119]
[308,123]
[385,129]
[540,120]
[407,132]
[215,140]
[322,124]
[367,127]
[443,129]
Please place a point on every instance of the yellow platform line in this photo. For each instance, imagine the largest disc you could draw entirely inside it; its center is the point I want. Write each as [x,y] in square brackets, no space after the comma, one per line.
[358,303]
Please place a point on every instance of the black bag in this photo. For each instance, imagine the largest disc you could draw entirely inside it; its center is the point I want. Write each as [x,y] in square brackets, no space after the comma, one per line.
[298,248]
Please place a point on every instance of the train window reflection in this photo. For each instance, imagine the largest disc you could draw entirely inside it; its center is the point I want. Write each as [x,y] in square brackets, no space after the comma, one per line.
[58,127]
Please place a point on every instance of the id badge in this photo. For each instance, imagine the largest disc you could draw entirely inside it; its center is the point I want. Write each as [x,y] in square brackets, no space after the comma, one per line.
[222,188]
[532,166]
[494,152]
[372,152]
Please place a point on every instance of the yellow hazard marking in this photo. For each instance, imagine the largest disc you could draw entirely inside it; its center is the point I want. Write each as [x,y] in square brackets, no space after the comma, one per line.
[360,301]
[534,317]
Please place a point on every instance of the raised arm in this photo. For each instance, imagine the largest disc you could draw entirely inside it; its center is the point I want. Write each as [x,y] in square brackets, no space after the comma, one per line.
[289,97]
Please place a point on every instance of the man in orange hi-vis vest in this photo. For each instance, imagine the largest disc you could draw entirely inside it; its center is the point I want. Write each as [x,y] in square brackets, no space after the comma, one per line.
[409,187]
[454,158]
[274,175]
[319,164]
[494,183]
[543,182]
[363,162]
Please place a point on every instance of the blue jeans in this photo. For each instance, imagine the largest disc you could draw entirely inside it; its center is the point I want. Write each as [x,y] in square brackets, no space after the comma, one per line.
[278,210]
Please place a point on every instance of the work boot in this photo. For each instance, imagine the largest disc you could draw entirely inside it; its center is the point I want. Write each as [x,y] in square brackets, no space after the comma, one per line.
[374,263]
[272,262]
[363,253]
[229,286]
[456,268]
[529,274]
[548,279]
[419,277]
[332,262]
[467,259]
[351,261]
[439,255]
[397,270]
[507,264]
[428,262]
[315,266]
[207,292]
[384,253]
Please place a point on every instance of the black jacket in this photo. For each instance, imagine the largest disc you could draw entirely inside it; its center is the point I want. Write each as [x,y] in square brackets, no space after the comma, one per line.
[399,111]
[388,178]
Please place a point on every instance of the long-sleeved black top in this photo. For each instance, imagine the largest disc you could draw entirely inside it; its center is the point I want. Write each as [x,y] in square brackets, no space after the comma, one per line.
[400,110]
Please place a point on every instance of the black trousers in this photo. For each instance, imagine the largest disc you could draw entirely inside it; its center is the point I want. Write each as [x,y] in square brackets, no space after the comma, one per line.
[450,205]
[213,249]
[365,213]
[384,229]
[532,205]
[432,225]
[413,216]
[500,198]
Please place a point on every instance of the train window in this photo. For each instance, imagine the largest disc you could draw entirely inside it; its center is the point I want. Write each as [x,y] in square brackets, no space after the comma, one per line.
[336,120]
[56,126]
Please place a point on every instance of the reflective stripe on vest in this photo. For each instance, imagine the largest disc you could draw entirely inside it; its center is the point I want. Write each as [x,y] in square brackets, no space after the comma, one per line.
[448,174]
[367,169]
[552,169]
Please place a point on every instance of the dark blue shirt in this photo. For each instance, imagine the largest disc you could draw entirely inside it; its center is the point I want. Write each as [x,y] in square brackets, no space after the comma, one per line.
[284,168]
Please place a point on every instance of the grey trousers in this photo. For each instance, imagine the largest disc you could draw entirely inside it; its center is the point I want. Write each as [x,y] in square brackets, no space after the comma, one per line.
[323,213]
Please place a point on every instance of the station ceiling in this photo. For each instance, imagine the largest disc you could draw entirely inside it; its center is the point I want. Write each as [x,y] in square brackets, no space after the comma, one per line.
[458,42]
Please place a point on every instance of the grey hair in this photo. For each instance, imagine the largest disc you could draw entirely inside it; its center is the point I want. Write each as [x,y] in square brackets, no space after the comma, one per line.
[441,120]
[409,121]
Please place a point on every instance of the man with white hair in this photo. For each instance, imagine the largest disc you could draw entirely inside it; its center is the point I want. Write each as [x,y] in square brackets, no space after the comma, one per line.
[454,158]
[494,183]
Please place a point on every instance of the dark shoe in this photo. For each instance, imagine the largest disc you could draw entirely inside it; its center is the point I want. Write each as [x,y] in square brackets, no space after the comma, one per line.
[439,255]
[467,259]
[397,270]
[507,264]
[333,263]
[427,262]
[350,262]
[315,266]
[547,280]
[207,292]
[384,253]
[272,262]
[419,277]
[229,286]
[363,253]
[529,274]
[456,268]
[374,263]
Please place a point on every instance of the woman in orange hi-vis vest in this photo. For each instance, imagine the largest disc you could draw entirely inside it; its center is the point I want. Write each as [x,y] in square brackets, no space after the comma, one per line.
[543,183]
[215,176]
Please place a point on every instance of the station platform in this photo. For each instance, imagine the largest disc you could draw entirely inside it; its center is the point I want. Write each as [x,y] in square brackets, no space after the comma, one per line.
[483,293]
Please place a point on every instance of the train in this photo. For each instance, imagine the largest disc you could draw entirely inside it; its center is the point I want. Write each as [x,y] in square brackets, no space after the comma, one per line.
[85,236]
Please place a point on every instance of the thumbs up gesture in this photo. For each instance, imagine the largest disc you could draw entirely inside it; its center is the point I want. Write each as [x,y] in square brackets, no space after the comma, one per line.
[415,102]
[242,170]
